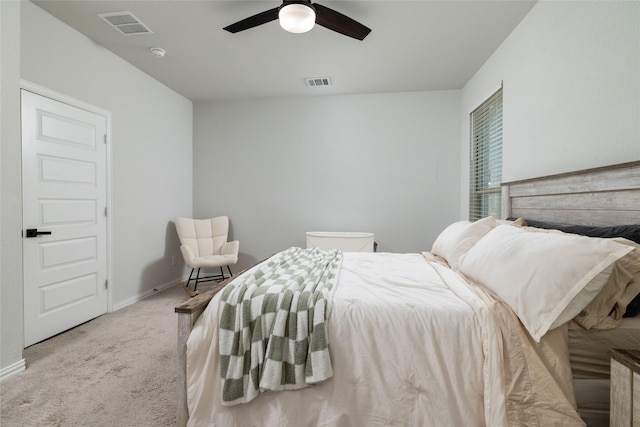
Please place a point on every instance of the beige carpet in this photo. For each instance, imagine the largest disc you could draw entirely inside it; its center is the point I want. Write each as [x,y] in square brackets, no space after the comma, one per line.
[116,370]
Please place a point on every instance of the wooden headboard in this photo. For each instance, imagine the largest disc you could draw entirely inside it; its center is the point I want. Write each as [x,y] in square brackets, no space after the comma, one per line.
[600,196]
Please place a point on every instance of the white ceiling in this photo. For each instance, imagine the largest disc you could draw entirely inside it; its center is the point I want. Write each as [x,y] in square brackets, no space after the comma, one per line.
[414,45]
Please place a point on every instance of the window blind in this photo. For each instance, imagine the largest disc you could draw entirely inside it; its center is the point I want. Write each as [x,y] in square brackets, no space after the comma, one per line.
[485,196]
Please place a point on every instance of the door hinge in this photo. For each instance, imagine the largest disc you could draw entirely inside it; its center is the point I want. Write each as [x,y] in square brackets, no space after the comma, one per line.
[105,211]
[105,138]
[106,284]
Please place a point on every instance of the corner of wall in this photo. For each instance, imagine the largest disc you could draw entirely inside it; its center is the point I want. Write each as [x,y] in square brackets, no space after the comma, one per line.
[11,317]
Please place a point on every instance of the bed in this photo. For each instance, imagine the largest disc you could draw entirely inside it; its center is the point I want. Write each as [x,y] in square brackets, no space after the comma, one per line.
[438,385]
[607,196]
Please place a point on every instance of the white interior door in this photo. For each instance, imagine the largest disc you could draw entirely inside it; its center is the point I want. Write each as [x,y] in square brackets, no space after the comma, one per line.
[64,194]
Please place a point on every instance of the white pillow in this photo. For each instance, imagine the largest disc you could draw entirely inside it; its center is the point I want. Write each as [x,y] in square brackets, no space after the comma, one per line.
[584,297]
[446,242]
[455,240]
[539,274]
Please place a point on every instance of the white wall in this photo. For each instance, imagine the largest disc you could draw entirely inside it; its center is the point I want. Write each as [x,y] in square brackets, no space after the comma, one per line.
[385,163]
[11,201]
[571,98]
[150,151]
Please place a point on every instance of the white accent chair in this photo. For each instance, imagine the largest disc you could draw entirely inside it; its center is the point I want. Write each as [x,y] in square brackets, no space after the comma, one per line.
[203,243]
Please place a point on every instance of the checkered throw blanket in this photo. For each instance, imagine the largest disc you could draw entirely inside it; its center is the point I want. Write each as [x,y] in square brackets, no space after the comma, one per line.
[272,331]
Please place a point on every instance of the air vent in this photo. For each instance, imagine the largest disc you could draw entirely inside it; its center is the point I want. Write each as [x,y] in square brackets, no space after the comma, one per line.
[318,81]
[126,23]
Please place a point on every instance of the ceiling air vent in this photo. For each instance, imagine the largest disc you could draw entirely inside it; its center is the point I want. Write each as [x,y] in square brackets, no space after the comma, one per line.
[318,81]
[126,23]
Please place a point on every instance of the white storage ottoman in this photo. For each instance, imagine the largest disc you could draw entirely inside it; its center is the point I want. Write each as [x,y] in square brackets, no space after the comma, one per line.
[345,241]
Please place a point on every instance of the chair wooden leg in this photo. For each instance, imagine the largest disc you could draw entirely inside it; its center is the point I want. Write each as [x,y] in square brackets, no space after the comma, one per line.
[187,289]
[197,279]
[189,292]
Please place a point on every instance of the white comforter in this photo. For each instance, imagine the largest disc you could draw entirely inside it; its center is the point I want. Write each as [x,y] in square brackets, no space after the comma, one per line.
[411,345]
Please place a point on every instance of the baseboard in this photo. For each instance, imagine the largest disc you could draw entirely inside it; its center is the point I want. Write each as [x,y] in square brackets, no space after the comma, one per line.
[13,369]
[148,293]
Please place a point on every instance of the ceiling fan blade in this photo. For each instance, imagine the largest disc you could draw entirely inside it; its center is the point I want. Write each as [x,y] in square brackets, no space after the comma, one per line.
[253,21]
[340,23]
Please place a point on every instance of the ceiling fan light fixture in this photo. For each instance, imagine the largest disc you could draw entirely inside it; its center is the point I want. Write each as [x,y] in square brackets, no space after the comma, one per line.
[297,17]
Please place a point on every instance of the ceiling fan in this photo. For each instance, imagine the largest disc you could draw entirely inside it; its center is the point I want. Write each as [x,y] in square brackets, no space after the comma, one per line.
[299,16]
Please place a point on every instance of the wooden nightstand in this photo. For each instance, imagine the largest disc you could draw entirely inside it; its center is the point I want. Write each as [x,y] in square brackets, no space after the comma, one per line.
[625,388]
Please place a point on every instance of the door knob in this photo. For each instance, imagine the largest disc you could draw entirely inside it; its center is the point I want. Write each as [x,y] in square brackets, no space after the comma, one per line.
[33,232]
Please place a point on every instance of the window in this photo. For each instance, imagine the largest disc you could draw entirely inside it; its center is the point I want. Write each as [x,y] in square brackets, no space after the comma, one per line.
[485,192]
